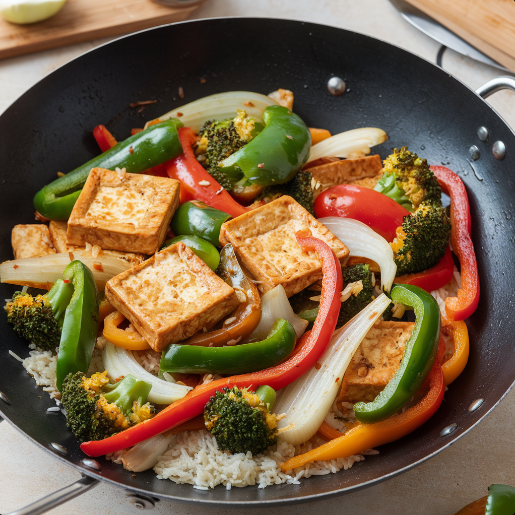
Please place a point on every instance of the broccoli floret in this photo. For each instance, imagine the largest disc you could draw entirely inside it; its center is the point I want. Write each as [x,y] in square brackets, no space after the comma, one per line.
[387,185]
[40,318]
[361,294]
[422,239]
[240,421]
[413,176]
[97,409]
[299,188]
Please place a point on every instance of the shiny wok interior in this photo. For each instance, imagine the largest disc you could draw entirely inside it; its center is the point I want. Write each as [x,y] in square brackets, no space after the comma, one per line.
[49,129]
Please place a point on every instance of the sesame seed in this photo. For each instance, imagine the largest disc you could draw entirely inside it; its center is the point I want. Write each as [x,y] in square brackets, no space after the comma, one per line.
[219,191]
[289,137]
[204,183]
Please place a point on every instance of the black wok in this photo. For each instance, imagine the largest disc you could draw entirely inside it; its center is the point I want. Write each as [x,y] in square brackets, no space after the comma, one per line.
[49,129]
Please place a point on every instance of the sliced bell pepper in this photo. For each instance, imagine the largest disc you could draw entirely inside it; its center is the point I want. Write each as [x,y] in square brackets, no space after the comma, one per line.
[104,138]
[202,248]
[234,359]
[307,352]
[246,317]
[195,217]
[137,153]
[367,436]
[318,135]
[276,154]
[432,278]
[196,183]
[454,366]
[379,212]
[462,306]
[417,360]
[79,331]
[122,338]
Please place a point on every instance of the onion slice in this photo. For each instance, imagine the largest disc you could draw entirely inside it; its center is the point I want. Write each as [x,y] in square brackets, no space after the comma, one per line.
[219,107]
[274,305]
[120,362]
[363,241]
[43,271]
[309,398]
[146,454]
[346,143]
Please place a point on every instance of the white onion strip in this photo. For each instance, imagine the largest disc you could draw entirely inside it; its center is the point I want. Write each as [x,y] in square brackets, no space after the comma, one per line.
[219,107]
[274,305]
[45,270]
[309,398]
[364,242]
[146,454]
[346,143]
[120,362]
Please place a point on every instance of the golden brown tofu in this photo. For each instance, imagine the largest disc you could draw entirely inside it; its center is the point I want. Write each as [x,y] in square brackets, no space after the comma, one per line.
[283,97]
[375,362]
[264,239]
[171,296]
[58,230]
[362,171]
[31,241]
[123,211]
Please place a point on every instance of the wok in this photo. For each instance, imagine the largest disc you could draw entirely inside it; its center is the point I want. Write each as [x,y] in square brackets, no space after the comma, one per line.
[415,102]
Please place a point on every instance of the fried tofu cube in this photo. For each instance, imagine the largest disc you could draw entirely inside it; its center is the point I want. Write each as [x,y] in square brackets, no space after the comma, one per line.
[284,97]
[171,296]
[123,211]
[375,362]
[31,240]
[58,231]
[264,239]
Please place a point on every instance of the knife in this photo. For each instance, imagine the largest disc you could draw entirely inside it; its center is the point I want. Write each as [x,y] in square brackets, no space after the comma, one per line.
[443,35]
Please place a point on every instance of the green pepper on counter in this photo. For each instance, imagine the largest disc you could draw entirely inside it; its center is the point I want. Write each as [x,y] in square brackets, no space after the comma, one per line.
[144,150]
[276,154]
[235,359]
[417,360]
[202,248]
[198,219]
[79,331]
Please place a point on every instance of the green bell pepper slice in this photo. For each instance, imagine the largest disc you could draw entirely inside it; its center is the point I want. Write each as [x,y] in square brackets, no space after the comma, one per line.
[500,500]
[417,360]
[146,149]
[231,360]
[79,331]
[202,248]
[276,154]
[198,219]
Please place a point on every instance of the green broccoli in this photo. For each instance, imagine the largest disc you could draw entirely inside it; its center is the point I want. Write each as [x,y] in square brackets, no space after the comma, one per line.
[240,421]
[413,176]
[97,409]
[299,188]
[387,185]
[422,239]
[359,298]
[40,318]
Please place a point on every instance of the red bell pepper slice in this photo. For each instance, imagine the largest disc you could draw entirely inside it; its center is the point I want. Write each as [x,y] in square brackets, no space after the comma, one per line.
[379,212]
[462,306]
[104,138]
[307,352]
[366,436]
[434,277]
[196,183]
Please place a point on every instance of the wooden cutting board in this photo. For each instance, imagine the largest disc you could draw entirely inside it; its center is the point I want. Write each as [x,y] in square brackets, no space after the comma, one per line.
[83,20]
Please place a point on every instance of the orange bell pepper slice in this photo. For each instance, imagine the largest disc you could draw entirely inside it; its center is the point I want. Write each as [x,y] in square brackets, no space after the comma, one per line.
[453,367]
[318,135]
[126,339]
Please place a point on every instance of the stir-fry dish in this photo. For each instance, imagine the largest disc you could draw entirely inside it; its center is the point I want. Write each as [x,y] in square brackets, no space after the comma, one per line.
[235,298]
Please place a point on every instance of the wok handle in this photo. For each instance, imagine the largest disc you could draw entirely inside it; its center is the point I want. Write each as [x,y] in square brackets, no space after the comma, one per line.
[55,499]
[494,85]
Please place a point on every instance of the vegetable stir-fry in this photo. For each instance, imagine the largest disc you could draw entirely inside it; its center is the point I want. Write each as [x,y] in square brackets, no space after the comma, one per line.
[236,253]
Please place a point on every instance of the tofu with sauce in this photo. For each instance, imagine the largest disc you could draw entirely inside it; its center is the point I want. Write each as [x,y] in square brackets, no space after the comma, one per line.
[264,239]
[375,362]
[58,234]
[171,296]
[123,211]
[31,240]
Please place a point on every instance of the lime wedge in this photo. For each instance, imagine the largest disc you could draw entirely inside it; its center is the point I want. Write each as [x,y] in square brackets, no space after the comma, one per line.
[29,11]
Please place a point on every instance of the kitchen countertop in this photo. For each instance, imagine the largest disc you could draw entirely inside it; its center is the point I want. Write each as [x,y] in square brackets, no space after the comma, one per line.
[444,484]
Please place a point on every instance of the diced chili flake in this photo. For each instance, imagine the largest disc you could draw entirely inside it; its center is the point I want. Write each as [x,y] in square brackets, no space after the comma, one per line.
[66,281]
[131,150]
[98,266]
[261,165]
[71,256]
[248,104]
[179,115]
[16,266]
[318,366]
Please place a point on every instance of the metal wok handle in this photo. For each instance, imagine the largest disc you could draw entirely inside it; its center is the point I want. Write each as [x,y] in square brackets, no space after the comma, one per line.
[57,498]
[494,85]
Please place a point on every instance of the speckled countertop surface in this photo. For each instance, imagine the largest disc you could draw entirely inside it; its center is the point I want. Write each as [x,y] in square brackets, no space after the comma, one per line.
[441,485]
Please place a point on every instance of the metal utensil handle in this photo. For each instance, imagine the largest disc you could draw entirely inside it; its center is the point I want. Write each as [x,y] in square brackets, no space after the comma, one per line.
[57,498]
[494,85]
